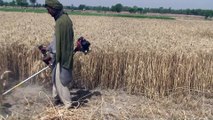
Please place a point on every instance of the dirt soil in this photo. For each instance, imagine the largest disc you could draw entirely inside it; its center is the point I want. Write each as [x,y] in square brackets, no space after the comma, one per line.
[34,102]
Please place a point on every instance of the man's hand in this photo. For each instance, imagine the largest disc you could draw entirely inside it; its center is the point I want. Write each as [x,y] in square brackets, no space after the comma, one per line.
[43,49]
[46,57]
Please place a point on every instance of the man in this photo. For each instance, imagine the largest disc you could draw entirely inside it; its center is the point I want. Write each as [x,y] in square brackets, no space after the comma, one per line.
[62,48]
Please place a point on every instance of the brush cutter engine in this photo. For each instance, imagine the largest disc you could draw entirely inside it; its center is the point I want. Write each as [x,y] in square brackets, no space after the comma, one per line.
[82,45]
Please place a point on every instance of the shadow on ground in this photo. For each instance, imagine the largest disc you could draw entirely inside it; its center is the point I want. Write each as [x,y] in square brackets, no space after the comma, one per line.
[4,109]
[82,95]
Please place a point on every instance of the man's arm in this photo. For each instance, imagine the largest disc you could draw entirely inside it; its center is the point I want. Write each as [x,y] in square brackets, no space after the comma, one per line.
[58,42]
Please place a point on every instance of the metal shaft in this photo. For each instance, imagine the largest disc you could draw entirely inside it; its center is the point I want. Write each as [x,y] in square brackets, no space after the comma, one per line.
[25,80]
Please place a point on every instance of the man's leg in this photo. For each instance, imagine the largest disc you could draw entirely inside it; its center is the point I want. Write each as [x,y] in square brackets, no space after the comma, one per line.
[62,91]
[56,98]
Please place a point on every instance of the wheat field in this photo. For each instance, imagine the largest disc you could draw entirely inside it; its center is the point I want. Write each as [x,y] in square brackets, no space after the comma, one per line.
[152,58]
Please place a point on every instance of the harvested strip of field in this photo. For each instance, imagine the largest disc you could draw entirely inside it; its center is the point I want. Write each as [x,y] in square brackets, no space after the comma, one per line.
[113,105]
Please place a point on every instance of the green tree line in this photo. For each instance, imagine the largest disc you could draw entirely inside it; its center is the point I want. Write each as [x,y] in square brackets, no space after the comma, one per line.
[117,8]
[22,3]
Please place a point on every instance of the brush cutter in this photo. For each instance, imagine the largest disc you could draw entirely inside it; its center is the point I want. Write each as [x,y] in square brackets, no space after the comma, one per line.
[82,45]
[25,80]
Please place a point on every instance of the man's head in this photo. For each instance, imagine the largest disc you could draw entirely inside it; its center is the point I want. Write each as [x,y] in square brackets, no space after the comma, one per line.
[53,6]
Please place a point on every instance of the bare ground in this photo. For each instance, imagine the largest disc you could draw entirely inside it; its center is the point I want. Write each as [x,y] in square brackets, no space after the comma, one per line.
[34,102]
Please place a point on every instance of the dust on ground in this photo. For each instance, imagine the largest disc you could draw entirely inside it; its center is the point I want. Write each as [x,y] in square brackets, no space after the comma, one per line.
[26,101]
[34,102]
